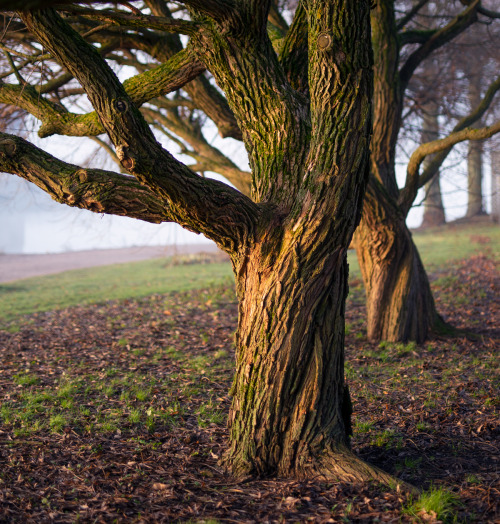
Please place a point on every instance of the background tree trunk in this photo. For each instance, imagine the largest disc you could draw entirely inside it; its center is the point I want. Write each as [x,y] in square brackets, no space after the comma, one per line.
[433,205]
[475,159]
[400,306]
[495,185]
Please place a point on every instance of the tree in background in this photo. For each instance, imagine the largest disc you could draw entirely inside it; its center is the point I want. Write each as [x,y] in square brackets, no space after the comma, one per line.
[400,305]
[433,203]
[307,138]
[495,182]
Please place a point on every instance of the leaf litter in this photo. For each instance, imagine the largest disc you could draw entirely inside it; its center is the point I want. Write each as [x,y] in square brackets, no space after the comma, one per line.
[116,413]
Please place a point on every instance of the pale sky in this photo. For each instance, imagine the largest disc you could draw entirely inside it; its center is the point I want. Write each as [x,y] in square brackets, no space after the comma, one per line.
[31,222]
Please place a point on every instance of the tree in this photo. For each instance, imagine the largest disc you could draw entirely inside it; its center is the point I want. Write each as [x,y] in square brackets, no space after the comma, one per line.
[433,204]
[400,305]
[495,184]
[307,138]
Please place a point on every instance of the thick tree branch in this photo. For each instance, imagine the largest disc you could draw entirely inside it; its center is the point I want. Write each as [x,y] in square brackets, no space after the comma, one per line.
[240,56]
[203,205]
[416,36]
[163,79]
[219,10]
[438,39]
[294,55]
[276,18]
[25,5]
[340,71]
[93,189]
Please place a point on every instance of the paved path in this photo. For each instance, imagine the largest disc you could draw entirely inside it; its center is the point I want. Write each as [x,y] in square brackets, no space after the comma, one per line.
[15,267]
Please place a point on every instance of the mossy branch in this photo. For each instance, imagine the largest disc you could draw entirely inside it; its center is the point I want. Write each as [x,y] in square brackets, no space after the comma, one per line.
[93,189]
[203,205]
[161,80]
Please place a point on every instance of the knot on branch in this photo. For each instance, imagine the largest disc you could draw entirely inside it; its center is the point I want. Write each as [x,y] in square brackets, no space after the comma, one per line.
[124,157]
[82,176]
[325,41]
[48,129]
[8,147]
[120,105]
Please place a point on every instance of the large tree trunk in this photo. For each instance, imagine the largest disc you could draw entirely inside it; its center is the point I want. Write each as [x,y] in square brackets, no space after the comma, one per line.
[400,306]
[289,385]
[291,410]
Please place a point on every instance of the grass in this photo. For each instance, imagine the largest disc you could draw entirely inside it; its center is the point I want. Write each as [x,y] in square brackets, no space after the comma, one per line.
[438,246]
[139,279]
[435,504]
[97,285]
[142,398]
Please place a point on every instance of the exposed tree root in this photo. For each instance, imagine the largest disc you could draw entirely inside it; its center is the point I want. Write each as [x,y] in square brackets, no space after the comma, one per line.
[333,466]
[441,328]
[344,465]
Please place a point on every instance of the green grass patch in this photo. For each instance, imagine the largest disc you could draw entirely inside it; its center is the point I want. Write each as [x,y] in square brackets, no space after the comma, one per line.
[97,285]
[435,504]
[439,246]
[139,279]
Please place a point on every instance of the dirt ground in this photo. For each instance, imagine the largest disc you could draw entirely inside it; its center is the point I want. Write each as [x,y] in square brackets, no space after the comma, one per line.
[116,412]
[16,267]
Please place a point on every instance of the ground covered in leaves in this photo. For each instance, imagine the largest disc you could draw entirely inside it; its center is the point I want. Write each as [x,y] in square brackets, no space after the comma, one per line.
[116,412]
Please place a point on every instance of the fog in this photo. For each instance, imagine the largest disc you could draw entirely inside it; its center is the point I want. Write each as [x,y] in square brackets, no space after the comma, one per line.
[31,222]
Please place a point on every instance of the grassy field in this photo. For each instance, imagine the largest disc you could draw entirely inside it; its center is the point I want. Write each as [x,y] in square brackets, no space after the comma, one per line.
[101,284]
[139,279]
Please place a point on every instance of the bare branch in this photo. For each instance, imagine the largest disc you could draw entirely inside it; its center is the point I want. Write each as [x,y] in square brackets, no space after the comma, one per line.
[461,132]
[208,158]
[444,144]
[411,14]
[488,12]
[171,25]
[438,39]
[203,205]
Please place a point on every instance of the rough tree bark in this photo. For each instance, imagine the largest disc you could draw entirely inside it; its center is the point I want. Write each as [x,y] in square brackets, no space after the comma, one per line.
[400,306]
[399,301]
[309,158]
